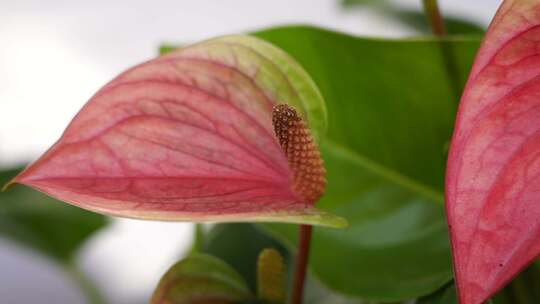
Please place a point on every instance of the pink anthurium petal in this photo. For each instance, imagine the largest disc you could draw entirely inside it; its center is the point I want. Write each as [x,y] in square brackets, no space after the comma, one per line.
[188,136]
[493,177]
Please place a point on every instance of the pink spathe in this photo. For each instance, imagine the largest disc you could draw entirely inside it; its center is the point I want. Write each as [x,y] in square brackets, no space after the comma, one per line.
[185,136]
[493,176]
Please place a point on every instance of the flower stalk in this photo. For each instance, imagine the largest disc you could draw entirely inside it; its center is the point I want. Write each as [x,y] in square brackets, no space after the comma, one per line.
[434,16]
[302,258]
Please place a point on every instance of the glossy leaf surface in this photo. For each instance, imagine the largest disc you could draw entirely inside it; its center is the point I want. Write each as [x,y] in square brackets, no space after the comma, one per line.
[522,290]
[201,279]
[385,153]
[493,178]
[42,223]
[188,136]
[445,295]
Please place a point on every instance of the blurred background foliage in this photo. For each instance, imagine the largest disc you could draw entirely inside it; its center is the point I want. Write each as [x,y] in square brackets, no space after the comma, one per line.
[43,223]
[415,19]
[51,227]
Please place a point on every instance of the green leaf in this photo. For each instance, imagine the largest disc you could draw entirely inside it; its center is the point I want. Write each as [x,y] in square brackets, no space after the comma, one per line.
[240,244]
[43,223]
[417,20]
[201,278]
[167,48]
[445,295]
[522,290]
[355,3]
[391,110]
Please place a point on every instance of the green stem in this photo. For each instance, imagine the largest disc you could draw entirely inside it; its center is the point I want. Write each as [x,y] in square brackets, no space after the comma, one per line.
[301,264]
[434,17]
[438,28]
[91,292]
[198,238]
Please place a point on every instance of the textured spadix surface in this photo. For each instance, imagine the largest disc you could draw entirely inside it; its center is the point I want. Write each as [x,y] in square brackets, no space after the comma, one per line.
[493,177]
[188,136]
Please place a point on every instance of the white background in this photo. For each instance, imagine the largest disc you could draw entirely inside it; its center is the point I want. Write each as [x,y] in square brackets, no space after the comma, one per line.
[55,54]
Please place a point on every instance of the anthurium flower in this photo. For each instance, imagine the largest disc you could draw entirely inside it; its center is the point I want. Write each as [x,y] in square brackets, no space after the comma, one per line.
[493,177]
[190,136]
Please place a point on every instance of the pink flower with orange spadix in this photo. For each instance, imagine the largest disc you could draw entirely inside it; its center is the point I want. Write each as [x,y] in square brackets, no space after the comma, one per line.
[493,177]
[224,130]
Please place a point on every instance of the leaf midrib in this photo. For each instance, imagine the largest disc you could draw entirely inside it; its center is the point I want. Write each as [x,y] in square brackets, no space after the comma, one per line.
[385,172]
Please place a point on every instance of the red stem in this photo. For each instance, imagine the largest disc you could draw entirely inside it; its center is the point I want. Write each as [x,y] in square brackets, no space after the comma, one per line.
[301,264]
[434,16]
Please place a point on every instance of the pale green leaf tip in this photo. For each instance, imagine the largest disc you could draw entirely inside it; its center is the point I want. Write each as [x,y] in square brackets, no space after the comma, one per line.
[333,221]
[314,217]
[309,216]
[7,185]
[310,101]
[166,48]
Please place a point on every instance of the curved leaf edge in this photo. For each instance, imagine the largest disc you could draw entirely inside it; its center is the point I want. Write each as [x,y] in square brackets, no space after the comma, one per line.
[311,104]
[199,266]
[309,95]
[309,215]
